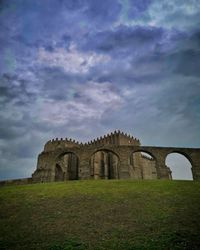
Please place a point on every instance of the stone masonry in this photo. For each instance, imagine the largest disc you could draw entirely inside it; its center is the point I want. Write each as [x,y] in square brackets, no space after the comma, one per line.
[114,156]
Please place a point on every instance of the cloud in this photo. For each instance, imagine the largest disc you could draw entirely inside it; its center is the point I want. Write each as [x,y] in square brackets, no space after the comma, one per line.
[131,9]
[166,13]
[88,103]
[103,13]
[25,129]
[15,89]
[188,62]
[72,60]
[93,14]
[83,68]
[123,37]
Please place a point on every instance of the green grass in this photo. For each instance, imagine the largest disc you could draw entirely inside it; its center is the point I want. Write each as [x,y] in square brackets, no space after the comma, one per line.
[101,215]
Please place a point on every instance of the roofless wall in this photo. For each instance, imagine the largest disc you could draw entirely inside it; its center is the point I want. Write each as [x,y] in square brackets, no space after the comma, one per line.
[107,157]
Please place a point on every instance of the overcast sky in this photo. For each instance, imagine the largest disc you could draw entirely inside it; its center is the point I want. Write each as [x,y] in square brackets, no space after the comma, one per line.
[83,68]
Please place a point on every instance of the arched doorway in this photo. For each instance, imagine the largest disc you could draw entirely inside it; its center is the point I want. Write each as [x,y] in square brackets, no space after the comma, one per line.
[180,166]
[143,166]
[104,164]
[69,164]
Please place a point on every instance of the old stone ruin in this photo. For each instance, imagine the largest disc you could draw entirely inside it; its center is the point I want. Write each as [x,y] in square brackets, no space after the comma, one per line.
[113,156]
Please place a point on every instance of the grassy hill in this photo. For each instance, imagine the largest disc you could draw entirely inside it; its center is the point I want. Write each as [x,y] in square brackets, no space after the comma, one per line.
[101,215]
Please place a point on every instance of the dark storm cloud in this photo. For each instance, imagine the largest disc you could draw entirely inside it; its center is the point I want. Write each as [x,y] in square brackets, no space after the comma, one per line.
[95,11]
[151,53]
[67,67]
[180,61]
[50,76]
[136,7]
[124,38]
[188,62]
[195,39]
[44,23]
[160,107]
[104,12]
[15,89]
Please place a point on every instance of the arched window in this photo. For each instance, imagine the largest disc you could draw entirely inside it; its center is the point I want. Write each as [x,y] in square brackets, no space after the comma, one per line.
[143,166]
[180,166]
[70,165]
[104,164]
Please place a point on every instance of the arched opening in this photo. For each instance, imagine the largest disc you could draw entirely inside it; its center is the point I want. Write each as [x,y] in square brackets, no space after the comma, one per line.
[104,164]
[179,165]
[69,164]
[142,166]
[59,174]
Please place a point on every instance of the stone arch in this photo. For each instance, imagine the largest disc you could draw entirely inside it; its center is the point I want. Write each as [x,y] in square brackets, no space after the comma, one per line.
[143,165]
[185,154]
[180,165]
[145,151]
[106,150]
[62,153]
[104,164]
[69,162]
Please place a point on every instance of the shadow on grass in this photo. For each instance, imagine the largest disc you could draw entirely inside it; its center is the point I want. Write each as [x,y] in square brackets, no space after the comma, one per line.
[69,244]
[181,240]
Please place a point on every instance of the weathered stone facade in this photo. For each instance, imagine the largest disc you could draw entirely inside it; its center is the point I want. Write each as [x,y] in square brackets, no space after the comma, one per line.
[114,156]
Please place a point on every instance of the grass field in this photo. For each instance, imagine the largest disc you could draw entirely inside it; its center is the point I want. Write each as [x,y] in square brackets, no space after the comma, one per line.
[101,215]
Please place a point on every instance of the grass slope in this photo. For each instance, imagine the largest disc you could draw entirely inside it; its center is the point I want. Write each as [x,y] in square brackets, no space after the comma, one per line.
[101,215]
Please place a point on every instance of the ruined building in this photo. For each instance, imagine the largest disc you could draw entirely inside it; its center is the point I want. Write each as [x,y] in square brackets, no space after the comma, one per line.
[114,156]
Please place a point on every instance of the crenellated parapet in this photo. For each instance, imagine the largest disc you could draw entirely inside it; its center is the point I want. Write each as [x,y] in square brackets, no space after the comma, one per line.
[61,143]
[115,138]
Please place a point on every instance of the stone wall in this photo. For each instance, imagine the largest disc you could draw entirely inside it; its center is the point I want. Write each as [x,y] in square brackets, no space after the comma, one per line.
[113,156]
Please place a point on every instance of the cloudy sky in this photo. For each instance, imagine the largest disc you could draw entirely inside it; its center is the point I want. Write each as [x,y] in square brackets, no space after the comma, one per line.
[83,68]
